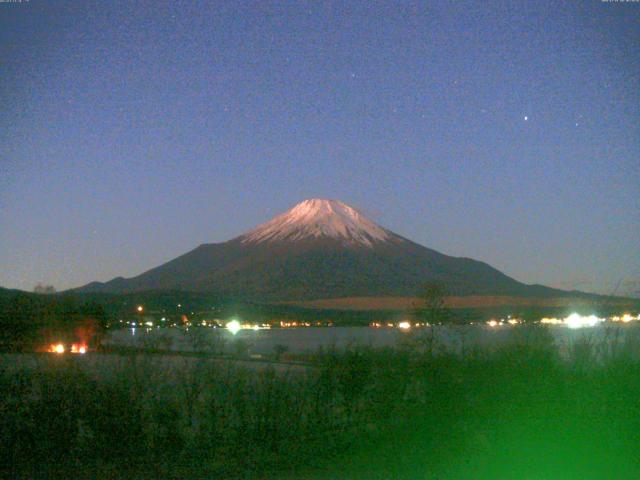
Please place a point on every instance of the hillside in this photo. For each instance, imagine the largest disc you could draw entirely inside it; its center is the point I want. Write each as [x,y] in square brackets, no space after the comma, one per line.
[321,249]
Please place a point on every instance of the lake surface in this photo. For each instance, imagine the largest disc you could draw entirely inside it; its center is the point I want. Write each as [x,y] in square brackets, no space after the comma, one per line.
[311,339]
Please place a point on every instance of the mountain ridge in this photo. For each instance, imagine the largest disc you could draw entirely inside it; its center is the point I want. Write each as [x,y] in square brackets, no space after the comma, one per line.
[320,249]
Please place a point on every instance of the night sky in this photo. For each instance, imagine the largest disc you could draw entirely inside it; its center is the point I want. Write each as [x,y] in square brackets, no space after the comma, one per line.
[509,132]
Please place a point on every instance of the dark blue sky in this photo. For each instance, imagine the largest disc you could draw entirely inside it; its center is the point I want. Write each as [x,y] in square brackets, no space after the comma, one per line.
[508,132]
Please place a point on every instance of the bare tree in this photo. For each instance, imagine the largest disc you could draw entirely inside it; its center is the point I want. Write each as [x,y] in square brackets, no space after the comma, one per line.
[205,340]
[431,309]
[279,350]
[44,289]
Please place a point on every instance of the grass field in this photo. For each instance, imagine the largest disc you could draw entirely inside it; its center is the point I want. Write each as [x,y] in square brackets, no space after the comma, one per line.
[517,411]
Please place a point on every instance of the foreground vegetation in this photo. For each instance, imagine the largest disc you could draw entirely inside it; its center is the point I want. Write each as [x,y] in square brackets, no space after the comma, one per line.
[523,410]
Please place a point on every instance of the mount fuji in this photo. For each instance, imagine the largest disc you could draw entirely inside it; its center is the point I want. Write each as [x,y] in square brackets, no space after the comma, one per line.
[320,249]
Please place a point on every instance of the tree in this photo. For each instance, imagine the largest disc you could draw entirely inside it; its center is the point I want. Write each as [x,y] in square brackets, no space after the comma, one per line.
[432,308]
[280,350]
[44,289]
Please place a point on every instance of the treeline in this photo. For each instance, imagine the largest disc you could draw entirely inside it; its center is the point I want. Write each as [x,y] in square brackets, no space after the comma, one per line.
[418,411]
[24,317]
[20,310]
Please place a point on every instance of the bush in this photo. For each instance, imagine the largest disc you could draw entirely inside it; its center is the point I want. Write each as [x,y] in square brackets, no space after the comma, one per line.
[522,410]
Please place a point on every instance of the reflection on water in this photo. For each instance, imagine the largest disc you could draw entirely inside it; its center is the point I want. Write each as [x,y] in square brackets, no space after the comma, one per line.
[301,340]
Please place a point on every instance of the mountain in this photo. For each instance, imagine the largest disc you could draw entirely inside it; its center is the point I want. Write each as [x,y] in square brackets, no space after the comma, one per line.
[320,249]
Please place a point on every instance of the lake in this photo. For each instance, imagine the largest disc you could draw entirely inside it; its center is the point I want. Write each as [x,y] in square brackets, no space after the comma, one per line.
[310,339]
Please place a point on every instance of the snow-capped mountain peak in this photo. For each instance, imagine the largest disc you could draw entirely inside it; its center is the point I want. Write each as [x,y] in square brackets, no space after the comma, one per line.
[316,218]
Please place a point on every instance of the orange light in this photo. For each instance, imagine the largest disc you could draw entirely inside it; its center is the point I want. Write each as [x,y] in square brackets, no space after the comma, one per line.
[58,348]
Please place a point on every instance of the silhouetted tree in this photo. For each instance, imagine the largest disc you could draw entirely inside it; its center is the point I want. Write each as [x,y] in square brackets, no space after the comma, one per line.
[432,308]
[280,350]
[45,289]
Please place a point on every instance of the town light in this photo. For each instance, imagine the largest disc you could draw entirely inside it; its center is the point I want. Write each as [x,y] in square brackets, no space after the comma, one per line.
[576,320]
[550,321]
[233,326]
[78,348]
[404,325]
[626,318]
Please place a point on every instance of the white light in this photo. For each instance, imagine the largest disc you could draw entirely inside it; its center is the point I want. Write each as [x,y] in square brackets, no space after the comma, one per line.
[82,350]
[404,325]
[234,326]
[492,323]
[578,321]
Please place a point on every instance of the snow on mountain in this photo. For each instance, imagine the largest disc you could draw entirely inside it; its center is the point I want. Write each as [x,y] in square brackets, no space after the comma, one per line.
[317,218]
